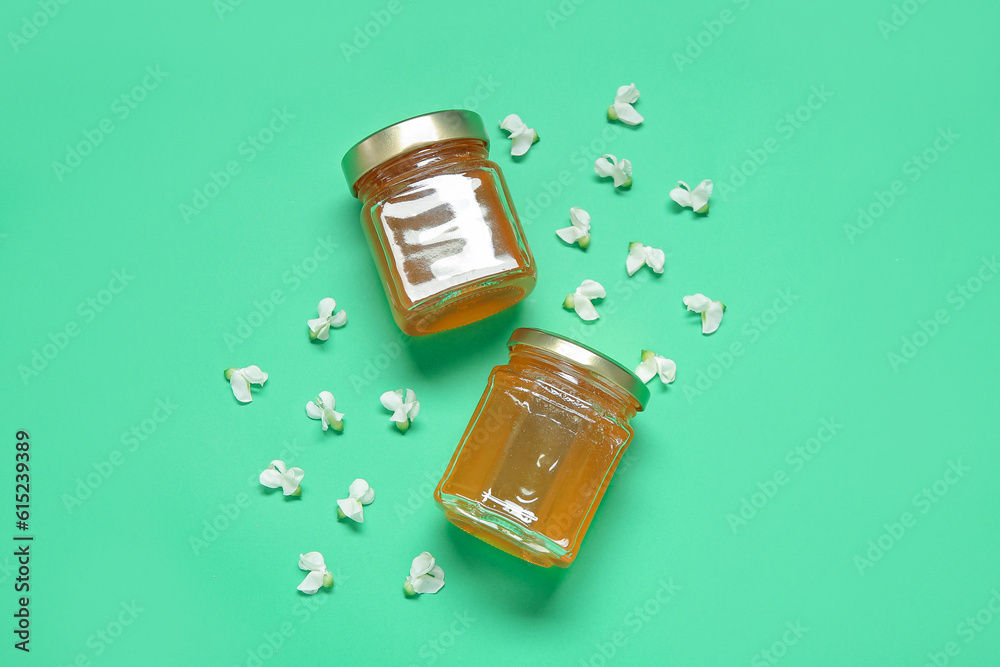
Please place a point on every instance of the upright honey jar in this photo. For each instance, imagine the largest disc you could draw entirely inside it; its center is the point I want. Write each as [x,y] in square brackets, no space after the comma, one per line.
[542,445]
[439,221]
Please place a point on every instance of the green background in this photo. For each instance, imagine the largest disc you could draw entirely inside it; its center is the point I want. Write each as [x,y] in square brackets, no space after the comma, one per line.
[719,435]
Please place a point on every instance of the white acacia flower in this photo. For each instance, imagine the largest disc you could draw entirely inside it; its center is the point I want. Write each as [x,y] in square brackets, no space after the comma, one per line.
[580,299]
[639,254]
[322,407]
[711,311]
[522,135]
[609,165]
[319,329]
[318,576]
[241,378]
[653,364]
[622,108]
[579,231]
[425,576]
[278,475]
[696,199]
[404,406]
[351,507]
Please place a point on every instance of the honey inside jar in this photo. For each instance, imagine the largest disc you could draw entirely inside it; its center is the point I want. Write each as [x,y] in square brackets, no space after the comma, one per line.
[541,448]
[438,219]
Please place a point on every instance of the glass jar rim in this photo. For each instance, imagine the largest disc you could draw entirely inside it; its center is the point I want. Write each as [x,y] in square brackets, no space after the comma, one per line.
[408,135]
[585,356]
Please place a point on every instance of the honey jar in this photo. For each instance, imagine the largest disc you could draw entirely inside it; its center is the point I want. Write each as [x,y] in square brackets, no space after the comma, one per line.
[439,221]
[541,447]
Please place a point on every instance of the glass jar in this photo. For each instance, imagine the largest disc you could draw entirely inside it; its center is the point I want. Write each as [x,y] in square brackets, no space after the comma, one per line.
[439,221]
[542,445]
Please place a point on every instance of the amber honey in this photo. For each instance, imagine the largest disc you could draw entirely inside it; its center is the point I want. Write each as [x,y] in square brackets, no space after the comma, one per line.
[542,445]
[440,225]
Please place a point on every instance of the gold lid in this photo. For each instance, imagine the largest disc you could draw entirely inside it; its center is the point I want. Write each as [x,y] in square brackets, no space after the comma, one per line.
[408,135]
[585,356]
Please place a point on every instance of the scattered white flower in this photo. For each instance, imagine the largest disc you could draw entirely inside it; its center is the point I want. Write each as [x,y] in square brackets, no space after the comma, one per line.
[522,135]
[622,108]
[652,365]
[351,507]
[425,576]
[579,231]
[711,311]
[314,564]
[609,165]
[639,254]
[241,378]
[322,407]
[289,479]
[580,299]
[319,329]
[404,406]
[696,199]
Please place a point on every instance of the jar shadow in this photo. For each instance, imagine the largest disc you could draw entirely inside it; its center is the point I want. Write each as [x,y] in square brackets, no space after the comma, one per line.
[504,579]
[437,354]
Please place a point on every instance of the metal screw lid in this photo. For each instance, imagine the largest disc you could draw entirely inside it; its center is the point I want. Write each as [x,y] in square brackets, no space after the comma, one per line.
[584,356]
[409,135]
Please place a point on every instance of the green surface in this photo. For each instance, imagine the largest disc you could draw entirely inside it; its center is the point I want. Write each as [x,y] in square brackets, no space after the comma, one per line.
[723,432]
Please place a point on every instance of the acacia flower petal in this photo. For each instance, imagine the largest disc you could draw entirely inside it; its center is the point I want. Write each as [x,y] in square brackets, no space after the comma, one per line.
[622,109]
[278,475]
[653,364]
[580,300]
[240,380]
[522,135]
[322,408]
[639,255]
[696,199]
[319,328]
[711,311]
[404,406]
[619,170]
[360,493]
[579,230]
[319,576]
[426,576]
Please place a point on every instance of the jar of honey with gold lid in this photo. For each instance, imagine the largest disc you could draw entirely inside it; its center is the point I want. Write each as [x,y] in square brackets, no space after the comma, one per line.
[439,221]
[541,447]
